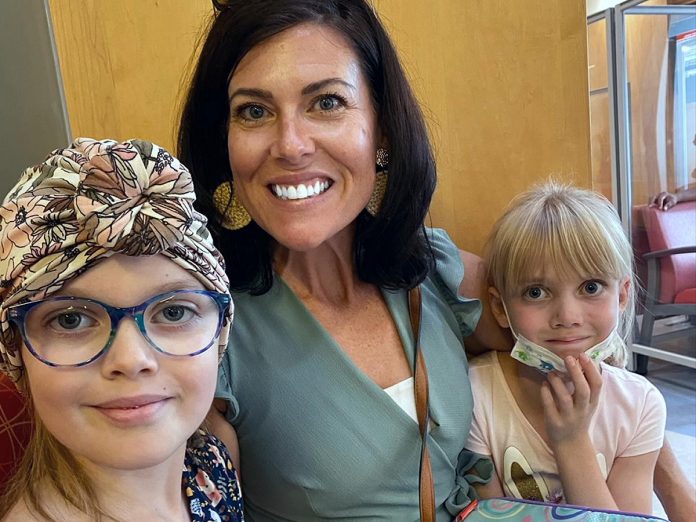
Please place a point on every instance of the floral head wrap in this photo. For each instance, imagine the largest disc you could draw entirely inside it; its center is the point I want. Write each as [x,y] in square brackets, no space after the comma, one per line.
[86,203]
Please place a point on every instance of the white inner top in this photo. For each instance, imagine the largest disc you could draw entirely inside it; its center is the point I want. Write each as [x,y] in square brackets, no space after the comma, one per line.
[402,394]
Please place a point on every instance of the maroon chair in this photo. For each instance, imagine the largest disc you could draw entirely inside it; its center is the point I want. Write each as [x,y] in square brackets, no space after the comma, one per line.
[15,429]
[671,264]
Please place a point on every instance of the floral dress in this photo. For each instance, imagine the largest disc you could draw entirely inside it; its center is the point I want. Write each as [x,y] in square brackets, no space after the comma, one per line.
[210,481]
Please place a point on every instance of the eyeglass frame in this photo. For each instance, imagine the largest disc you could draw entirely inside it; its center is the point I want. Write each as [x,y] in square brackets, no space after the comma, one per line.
[17,314]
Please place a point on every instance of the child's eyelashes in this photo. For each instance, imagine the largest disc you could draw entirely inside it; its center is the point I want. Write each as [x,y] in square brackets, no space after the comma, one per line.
[534,293]
[592,287]
[537,292]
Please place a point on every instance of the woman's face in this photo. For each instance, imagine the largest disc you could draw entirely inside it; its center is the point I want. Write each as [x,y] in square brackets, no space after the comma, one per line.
[303,135]
[133,407]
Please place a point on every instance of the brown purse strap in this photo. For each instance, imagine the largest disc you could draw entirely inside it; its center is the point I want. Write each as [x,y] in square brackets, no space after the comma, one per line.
[426,493]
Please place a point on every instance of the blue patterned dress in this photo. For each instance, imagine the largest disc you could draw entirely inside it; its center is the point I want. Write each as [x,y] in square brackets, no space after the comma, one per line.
[209,481]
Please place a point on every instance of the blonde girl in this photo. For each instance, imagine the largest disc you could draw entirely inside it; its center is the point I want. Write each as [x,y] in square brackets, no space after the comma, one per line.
[561,419]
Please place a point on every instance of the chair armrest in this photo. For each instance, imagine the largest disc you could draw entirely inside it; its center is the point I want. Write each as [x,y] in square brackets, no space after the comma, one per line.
[670,252]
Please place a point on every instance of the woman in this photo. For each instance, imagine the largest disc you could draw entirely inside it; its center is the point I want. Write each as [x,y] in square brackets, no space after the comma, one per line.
[114,310]
[312,159]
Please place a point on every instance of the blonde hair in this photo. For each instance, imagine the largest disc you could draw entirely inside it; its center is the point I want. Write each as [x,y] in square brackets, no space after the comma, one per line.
[47,465]
[571,230]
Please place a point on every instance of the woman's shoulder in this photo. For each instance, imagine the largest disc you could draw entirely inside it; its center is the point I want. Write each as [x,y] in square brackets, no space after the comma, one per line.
[448,277]
[442,246]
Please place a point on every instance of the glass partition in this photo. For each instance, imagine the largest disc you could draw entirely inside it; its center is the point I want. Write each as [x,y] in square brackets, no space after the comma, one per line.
[600,110]
[642,83]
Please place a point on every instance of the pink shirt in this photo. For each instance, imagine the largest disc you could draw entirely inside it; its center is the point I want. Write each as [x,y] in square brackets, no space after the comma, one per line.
[629,421]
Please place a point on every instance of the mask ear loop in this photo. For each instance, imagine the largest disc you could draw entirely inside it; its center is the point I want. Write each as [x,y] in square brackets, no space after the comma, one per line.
[507,316]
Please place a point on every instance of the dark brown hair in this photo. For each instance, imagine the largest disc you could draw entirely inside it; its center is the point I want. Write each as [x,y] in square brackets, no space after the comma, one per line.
[391,249]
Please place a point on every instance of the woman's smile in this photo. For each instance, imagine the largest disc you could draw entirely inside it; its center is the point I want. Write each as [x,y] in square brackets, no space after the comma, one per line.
[301,190]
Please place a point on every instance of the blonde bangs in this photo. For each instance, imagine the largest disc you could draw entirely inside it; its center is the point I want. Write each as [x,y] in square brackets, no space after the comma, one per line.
[571,231]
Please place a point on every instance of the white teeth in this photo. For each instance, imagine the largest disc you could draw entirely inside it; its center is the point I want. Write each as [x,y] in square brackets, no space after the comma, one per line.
[300,191]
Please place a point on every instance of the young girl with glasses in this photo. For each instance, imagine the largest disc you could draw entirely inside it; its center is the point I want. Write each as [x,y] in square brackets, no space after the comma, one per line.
[561,419]
[114,311]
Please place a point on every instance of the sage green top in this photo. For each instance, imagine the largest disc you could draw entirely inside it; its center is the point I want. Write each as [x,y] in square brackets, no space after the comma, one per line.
[319,440]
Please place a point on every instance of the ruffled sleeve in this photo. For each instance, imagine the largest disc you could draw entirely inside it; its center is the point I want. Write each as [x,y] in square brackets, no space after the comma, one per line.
[448,275]
[472,468]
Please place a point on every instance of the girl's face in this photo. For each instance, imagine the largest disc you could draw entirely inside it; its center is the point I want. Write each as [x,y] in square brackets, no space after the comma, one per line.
[133,407]
[565,315]
[303,135]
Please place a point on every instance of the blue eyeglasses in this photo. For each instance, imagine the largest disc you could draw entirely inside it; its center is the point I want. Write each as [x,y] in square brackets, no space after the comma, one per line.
[75,331]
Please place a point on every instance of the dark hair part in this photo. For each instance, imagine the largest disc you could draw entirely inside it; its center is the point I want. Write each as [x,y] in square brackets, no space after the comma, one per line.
[391,249]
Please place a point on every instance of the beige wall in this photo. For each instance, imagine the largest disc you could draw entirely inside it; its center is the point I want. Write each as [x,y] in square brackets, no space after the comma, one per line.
[504,86]
[123,62]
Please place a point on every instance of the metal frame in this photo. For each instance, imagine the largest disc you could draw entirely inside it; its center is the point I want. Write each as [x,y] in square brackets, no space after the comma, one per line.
[61,90]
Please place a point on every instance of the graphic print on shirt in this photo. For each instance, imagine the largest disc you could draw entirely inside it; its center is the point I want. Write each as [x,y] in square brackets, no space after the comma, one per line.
[521,479]
[525,483]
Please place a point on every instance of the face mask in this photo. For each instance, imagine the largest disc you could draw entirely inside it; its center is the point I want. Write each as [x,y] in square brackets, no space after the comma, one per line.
[544,360]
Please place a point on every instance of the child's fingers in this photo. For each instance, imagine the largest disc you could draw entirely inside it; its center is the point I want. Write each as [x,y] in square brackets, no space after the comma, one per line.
[582,393]
[592,376]
[561,395]
[548,402]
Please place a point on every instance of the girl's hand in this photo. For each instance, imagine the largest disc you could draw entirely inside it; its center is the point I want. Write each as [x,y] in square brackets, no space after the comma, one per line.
[567,415]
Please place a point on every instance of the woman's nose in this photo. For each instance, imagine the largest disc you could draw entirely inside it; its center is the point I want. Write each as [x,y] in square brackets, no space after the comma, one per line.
[293,141]
[129,354]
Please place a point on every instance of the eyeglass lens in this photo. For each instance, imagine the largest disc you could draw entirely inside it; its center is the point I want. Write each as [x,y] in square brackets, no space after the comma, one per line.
[67,332]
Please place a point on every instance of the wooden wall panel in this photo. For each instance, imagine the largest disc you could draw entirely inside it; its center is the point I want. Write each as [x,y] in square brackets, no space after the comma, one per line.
[122,63]
[504,85]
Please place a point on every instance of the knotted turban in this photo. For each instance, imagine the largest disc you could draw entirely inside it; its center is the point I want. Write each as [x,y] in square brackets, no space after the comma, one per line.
[87,202]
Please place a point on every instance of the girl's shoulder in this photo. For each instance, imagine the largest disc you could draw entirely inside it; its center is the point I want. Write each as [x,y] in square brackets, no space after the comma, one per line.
[619,383]
[624,378]
[21,512]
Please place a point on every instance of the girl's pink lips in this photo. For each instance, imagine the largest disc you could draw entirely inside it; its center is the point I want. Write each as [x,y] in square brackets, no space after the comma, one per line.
[135,401]
[570,340]
[132,411]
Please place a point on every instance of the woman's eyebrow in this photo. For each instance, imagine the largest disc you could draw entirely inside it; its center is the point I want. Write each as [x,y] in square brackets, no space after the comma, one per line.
[321,84]
[252,93]
[309,89]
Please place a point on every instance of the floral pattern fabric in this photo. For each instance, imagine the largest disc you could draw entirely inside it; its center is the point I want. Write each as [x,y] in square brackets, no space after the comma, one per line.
[210,481]
[87,202]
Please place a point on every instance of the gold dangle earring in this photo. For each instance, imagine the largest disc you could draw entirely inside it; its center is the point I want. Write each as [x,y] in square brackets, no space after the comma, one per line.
[380,189]
[233,214]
